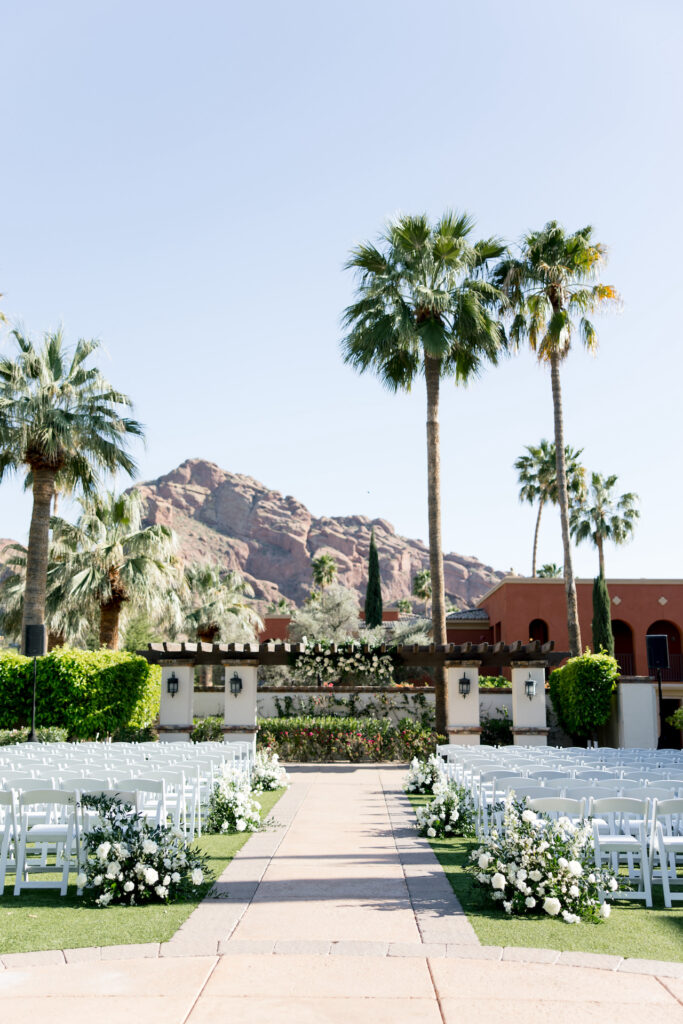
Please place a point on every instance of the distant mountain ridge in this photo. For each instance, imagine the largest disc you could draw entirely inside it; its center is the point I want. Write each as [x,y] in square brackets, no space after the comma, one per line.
[269,538]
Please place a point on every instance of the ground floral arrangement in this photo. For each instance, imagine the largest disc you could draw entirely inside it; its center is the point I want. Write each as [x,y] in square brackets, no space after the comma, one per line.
[232,807]
[423,775]
[267,773]
[450,813]
[534,865]
[128,861]
[350,663]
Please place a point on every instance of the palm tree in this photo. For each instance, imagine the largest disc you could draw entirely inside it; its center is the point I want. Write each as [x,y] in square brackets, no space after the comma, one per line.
[423,308]
[537,476]
[218,608]
[550,571]
[110,559]
[62,422]
[551,289]
[422,587]
[603,517]
[324,569]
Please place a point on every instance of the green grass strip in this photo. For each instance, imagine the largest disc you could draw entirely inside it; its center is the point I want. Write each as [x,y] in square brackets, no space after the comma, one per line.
[631,930]
[42,919]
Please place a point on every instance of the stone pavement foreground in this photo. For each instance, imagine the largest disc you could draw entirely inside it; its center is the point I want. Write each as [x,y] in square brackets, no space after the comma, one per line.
[342,912]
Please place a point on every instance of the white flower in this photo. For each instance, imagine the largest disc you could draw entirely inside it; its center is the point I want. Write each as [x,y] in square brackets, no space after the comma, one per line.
[128,886]
[552,906]
[151,876]
[149,846]
[431,833]
[498,881]
[530,902]
[484,861]
[535,876]
[105,899]
[613,884]
[570,918]
[113,869]
[605,910]
[562,862]
[240,824]
[197,876]
[102,851]
[97,880]
[507,906]
[175,877]
[81,879]
[575,868]
[591,878]
[574,891]
[528,816]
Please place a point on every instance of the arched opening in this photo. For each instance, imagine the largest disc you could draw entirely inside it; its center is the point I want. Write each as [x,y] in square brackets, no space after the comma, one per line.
[538,630]
[673,634]
[623,646]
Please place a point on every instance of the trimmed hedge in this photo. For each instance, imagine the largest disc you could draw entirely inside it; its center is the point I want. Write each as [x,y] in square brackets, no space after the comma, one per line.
[88,693]
[333,738]
[581,693]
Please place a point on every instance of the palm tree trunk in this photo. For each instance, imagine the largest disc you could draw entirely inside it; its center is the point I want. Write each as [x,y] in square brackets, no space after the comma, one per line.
[535,551]
[601,555]
[433,377]
[110,615]
[37,551]
[573,627]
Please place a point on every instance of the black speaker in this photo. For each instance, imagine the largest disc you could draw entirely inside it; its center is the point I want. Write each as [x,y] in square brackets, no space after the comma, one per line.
[657,650]
[34,641]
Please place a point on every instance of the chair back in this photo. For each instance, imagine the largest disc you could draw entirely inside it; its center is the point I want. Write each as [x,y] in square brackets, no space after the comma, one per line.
[558,806]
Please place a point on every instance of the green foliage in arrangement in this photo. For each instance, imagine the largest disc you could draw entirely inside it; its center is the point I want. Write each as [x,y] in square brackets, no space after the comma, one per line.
[603,637]
[346,739]
[581,692]
[87,693]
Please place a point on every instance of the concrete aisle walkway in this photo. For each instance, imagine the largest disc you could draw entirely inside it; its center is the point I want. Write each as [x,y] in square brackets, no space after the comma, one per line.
[341,913]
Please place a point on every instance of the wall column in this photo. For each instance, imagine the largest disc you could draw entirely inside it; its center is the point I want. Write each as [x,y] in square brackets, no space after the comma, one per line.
[175,713]
[239,719]
[529,726]
[463,725]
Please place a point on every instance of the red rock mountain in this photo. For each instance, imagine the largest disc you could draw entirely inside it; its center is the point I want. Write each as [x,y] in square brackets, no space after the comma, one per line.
[235,521]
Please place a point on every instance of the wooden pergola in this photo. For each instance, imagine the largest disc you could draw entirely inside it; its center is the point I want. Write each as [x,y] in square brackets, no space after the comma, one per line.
[486,655]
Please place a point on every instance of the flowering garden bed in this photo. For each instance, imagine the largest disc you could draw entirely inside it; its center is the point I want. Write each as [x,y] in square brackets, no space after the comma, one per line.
[630,931]
[333,738]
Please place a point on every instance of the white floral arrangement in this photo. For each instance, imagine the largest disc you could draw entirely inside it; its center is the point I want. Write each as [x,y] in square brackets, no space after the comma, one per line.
[423,776]
[232,808]
[267,773]
[534,865]
[128,861]
[318,665]
[450,813]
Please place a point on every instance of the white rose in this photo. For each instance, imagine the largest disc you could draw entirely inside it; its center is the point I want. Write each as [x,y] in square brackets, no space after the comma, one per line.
[105,899]
[484,861]
[128,886]
[113,869]
[613,884]
[574,868]
[431,833]
[562,862]
[528,816]
[103,850]
[535,876]
[175,877]
[97,880]
[591,878]
[507,906]
[552,906]
[81,879]
[574,891]
[149,846]
[240,824]
[151,876]
[530,902]
[197,876]
[498,881]
[605,910]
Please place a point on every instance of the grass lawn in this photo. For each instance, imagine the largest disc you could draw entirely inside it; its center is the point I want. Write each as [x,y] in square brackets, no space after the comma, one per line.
[42,919]
[630,931]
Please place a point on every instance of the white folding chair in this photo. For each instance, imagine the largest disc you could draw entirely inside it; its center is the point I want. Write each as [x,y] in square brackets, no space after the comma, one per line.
[8,831]
[624,842]
[667,846]
[559,807]
[59,829]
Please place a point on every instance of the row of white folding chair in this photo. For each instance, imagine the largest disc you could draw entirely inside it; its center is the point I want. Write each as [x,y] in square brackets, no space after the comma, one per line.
[666,846]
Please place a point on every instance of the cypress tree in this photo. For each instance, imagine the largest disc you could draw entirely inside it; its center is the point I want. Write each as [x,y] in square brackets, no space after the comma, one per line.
[602,622]
[373,595]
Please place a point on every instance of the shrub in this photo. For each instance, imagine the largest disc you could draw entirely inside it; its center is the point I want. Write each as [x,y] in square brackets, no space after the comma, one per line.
[496,732]
[537,866]
[346,739]
[493,682]
[450,813]
[130,861]
[676,719]
[581,693]
[207,729]
[88,693]
[44,734]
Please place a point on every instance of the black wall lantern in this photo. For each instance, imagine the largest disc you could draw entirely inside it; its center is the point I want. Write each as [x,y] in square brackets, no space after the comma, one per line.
[235,685]
[464,686]
[172,684]
[530,687]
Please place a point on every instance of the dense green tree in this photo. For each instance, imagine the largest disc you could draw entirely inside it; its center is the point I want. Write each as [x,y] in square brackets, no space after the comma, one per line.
[551,291]
[601,516]
[62,423]
[603,638]
[537,477]
[333,616]
[424,309]
[373,594]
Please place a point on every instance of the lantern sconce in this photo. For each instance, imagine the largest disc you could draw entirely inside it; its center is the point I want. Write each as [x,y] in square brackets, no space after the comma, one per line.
[530,687]
[172,684]
[235,685]
[464,686]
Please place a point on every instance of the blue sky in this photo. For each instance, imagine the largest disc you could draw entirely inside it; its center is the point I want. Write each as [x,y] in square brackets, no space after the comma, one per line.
[184,182]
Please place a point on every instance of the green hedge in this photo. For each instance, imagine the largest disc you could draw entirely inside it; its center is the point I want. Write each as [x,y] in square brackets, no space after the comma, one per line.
[581,693]
[88,693]
[334,738]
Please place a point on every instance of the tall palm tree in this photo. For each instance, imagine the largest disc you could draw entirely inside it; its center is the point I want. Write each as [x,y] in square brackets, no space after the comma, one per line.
[604,517]
[62,422]
[537,476]
[324,570]
[551,289]
[109,558]
[423,308]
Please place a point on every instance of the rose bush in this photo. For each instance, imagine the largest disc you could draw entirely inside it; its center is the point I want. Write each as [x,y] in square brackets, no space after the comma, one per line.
[129,861]
[534,865]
